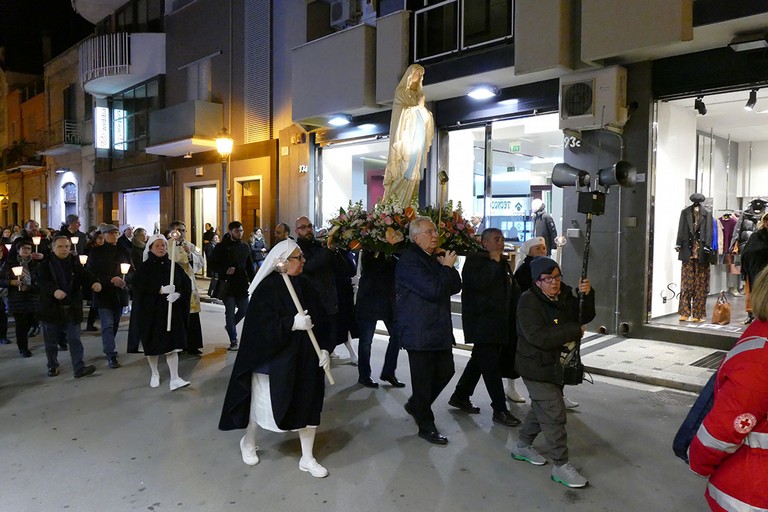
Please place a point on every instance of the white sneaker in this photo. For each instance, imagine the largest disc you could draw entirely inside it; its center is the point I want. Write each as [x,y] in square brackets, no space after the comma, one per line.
[248,453]
[154,381]
[528,454]
[570,404]
[178,383]
[313,467]
[568,476]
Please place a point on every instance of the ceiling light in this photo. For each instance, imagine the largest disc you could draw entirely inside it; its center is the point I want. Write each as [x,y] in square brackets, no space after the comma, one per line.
[699,105]
[483,92]
[748,42]
[340,120]
[752,101]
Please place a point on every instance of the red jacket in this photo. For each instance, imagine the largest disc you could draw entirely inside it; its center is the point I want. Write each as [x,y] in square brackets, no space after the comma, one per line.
[731,446]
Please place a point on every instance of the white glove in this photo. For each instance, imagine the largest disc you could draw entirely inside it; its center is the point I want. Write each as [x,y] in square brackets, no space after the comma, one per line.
[325,360]
[169,288]
[302,322]
[173,297]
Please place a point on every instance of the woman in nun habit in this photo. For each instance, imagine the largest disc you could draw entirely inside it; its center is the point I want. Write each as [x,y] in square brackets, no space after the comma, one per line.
[277,381]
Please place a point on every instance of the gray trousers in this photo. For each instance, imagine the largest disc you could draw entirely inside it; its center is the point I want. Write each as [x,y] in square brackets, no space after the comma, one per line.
[547,415]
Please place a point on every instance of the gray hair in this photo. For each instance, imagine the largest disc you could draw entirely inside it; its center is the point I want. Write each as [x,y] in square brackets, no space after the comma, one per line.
[488,232]
[72,218]
[416,227]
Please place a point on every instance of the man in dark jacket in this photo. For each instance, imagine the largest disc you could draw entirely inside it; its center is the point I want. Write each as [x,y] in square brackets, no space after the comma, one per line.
[425,280]
[104,262]
[61,278]
[231,260]
[488,305]
[549,326]
[71,228]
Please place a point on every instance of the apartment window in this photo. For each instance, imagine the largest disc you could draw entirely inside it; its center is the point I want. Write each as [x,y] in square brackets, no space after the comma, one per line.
[140,16]
[486,21]
[436,30]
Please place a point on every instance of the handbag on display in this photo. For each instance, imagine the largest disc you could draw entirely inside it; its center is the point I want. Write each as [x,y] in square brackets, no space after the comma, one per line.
[722,313]
[217,289]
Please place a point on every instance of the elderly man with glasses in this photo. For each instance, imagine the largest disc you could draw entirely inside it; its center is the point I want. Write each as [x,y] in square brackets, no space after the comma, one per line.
[548,324]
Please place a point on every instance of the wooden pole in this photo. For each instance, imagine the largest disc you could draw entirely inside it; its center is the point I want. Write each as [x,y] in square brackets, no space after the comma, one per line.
[311,333]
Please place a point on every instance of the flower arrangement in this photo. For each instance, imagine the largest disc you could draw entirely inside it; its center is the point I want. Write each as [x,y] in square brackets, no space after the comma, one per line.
[385,228]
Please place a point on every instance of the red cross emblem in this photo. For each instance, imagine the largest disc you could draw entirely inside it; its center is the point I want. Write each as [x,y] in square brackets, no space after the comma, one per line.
[744,423]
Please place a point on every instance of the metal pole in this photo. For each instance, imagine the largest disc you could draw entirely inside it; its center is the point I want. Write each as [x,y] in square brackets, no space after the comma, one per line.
[223,196]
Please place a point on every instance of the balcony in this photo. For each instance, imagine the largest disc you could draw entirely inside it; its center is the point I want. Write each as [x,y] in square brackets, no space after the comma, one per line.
[22,156]
[62,138]
[111,63]
[185,128]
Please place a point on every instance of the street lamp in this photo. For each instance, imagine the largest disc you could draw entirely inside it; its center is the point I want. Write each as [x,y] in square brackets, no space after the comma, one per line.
[224,143]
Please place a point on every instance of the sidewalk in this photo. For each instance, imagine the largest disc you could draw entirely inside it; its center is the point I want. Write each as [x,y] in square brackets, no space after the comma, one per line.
[658,363]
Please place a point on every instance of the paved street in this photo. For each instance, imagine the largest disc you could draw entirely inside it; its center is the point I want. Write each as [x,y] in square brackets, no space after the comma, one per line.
[111,443]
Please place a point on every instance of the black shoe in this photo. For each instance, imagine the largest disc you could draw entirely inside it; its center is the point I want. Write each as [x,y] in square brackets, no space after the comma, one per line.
[233,346]
[24,353]
[91,328]
[87,370]
[464,404]
[408,408]
[393,381]
[53,372]
[505,418]
[368,382]
[113,362]
[63,347]
[433,436]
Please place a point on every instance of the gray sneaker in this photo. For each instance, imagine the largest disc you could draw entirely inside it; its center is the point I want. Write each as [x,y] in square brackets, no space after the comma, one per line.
[568,476]
[528,454]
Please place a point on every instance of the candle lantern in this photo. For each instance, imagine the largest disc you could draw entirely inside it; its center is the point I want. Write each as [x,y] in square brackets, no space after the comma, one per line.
[17,271]
[83,259]
[36,240]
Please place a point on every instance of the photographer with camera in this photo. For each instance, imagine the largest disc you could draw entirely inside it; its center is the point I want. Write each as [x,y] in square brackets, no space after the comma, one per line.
[548,325]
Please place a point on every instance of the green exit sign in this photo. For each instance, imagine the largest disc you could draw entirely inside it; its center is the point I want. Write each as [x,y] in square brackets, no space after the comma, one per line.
[515,148]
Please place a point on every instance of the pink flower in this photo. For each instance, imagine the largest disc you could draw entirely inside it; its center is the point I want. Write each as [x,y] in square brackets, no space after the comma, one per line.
[460,227]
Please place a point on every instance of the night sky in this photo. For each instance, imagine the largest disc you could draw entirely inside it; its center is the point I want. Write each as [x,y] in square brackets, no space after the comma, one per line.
[23,23]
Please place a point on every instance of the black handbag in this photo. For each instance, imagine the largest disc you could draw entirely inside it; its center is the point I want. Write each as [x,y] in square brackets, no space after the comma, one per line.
[569,371]
[217,289]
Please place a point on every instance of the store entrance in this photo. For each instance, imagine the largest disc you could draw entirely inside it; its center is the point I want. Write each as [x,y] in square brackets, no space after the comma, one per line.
[711,175]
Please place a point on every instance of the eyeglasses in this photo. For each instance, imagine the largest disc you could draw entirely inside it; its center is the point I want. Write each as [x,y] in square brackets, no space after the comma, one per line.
[552,279]
[300,257]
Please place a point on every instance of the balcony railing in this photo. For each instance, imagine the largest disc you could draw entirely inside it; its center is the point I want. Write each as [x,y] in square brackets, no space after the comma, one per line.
[106,55]
[453,26]
[64,132]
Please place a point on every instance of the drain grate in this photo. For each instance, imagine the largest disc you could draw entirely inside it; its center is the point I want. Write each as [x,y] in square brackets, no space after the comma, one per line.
[668,397]
[711,361]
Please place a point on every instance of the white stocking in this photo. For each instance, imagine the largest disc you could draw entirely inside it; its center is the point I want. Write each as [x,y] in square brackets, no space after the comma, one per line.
[250,435]
[152,360]
[348,344]
[172,358]
[307,438]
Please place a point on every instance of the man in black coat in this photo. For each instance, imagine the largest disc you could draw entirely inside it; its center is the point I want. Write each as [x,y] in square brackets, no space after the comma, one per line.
[104,262]
[549,326]
[488,303]
[425,280]
[61,278]
[71,228]
[231,260]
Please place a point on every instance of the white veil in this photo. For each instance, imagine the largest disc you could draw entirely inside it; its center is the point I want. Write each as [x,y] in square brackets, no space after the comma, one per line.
[149,243]
[279,252]
[537,240]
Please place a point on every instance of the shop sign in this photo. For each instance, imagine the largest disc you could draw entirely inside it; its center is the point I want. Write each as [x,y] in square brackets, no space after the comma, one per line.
[509,206]
[101,127]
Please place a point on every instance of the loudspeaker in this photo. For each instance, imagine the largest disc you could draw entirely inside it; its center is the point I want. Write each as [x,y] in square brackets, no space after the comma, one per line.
[564,175]
[622,173]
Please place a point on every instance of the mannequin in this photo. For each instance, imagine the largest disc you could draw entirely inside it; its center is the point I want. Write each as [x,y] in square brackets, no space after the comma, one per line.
[543,225]
[694,243]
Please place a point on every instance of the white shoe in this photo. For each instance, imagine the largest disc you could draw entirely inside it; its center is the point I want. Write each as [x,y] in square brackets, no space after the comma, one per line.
[248,453]
[313,467]
[178,383]
[570,404]
[154,381]
[513,395]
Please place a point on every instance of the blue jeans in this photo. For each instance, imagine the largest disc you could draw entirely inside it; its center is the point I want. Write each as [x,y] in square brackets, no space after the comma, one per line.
[367,328]
[110,321]
[54,334]
[232,318]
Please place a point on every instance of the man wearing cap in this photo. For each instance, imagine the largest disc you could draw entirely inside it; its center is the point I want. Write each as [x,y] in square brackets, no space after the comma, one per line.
[548,324]
[71,228]
[104,261]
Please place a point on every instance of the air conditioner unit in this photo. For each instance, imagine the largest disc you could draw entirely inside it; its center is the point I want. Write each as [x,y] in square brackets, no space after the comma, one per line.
[368,12]
[593,100]
[343,13]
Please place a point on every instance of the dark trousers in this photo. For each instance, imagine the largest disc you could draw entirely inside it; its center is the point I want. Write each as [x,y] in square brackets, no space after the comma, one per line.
[431,371]
[3,320]
[24,322]
[234,311]
[54,335]
[367,329]
[547,415]
[485,361]
[194,333]
[93,315]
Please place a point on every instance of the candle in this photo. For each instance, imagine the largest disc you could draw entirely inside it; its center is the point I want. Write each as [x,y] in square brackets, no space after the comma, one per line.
[83,259]
[36,240]
[124,268]
[17,271]
[174,235]
[8,247]
[74,239]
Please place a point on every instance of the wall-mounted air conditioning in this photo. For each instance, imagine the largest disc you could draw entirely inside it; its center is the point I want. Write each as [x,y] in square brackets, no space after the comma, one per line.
[594,100]
[343,13]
